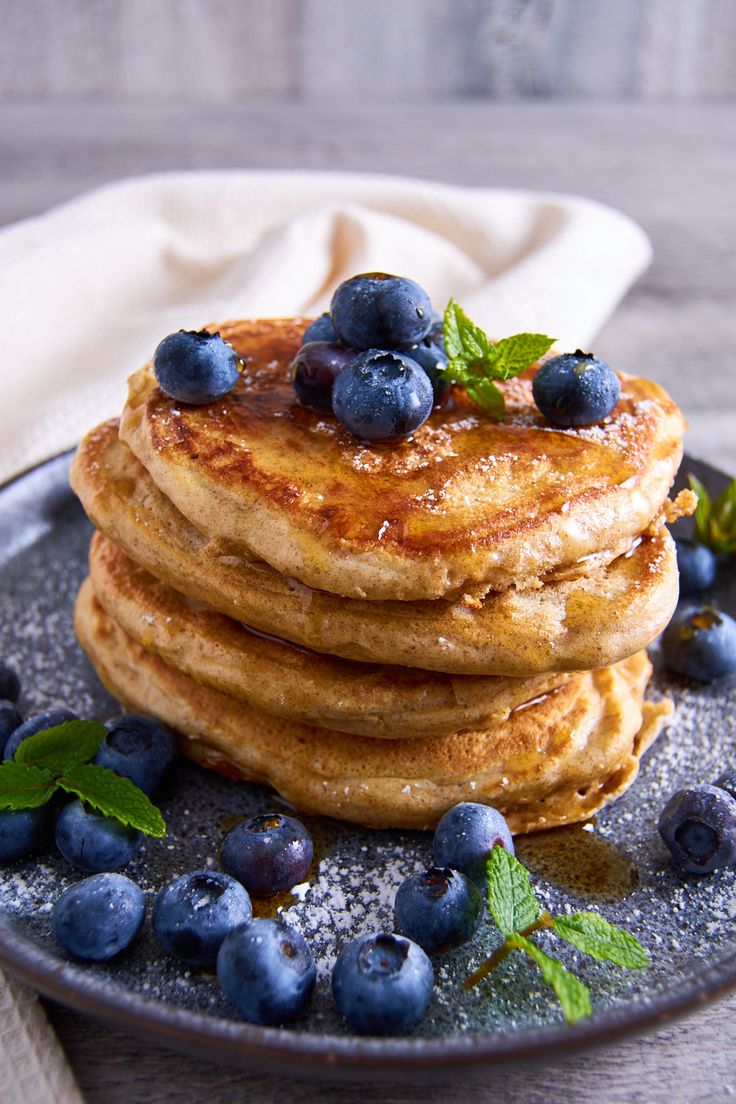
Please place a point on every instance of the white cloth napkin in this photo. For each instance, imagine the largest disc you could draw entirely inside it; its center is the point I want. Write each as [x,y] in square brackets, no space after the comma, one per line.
[33,1069]
[89,289]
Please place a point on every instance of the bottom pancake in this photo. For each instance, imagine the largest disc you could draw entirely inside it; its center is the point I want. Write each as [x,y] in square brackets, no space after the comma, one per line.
[554,761]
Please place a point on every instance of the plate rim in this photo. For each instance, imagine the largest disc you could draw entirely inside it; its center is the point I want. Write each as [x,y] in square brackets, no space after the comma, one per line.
[340,1057]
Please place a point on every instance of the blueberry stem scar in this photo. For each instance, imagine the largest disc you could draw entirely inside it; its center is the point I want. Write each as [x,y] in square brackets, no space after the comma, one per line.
[509,944]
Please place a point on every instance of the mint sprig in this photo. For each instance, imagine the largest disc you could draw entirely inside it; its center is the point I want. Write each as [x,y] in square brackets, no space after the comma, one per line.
[715,520]
[518,914]
[474,361]
[58,759]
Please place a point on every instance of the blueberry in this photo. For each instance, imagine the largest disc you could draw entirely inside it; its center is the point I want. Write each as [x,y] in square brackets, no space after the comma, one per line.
[196,366]
[439,909]
[379,311]
[194,913]
[9,684]
[11,719]
[698,825]
[322,329]
[94,842]
[576,389]
[22,832]
[382,984]
[267,970]
[700,643]
[382,396]
[431,356]
[268,853]
[465,837]
[99,917]
[33,725]
[139,748]
[727,782]
[314,370]
[697,566]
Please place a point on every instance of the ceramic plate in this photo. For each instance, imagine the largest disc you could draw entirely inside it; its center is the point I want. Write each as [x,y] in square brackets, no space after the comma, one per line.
[617,865]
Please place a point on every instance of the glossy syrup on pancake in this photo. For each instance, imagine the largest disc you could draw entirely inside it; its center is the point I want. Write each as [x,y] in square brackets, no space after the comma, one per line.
[464,503]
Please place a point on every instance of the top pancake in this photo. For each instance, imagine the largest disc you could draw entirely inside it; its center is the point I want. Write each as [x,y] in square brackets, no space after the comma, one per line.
[466,505]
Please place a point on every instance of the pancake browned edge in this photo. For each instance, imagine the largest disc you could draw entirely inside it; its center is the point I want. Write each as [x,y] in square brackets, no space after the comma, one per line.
[287,681]
[463,506]
[555,762]
[598,618]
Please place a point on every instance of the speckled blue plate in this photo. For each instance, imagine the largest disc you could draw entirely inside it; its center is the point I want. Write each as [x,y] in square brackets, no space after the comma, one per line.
[617,865]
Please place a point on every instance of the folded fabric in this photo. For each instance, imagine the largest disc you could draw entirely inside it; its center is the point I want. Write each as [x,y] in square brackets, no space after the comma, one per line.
[90,288]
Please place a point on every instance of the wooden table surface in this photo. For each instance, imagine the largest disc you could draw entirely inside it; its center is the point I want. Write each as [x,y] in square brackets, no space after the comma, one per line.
[672,169]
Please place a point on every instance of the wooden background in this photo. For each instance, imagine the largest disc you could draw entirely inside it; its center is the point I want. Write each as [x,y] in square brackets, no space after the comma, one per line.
[227,51]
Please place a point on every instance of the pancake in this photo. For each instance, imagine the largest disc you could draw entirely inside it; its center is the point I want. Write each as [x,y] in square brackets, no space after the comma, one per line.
[554,762]
[591,620]
[465,505]
[287,681]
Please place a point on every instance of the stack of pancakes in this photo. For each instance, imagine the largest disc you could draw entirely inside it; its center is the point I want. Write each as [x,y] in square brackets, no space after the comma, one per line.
[382,632]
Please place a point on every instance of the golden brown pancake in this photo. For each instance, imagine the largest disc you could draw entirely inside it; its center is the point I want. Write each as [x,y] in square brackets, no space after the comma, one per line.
[287,681]
[555,762]
[587,621]
[467,504]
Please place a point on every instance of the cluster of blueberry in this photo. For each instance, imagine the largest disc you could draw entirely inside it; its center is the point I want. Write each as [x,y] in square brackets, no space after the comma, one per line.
[377,361]
[205,918]
[700,640]
[382,983]
[139,748]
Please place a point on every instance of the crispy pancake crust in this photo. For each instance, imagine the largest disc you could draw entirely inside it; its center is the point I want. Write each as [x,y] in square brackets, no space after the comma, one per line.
[554,762]
[465,504]
[589,621]
[288,681]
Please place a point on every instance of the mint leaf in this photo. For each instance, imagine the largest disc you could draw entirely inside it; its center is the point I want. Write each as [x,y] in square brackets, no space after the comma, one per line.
[24,787]
[513,354]
[474,361]
[464,340]
[511,898]
[715,521]
[594,936]
[113,796]
[55,748]
[571,993]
